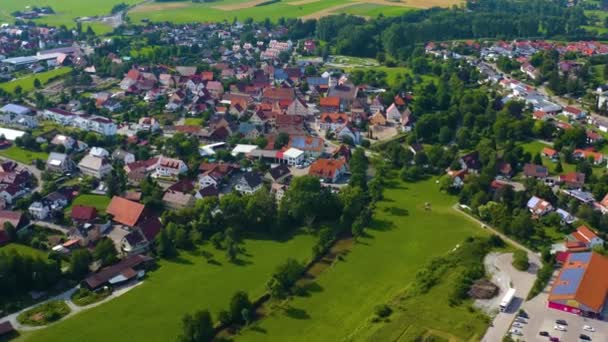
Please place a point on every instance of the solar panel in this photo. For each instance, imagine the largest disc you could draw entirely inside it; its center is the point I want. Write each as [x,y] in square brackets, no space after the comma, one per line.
[571,278]
[580,257]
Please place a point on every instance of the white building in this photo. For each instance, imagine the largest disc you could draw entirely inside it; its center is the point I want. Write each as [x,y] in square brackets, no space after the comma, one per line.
[94,166]
[39,211]
[293,156]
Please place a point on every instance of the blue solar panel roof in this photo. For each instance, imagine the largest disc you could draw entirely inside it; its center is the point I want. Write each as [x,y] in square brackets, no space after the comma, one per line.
[572,278]
[580,257]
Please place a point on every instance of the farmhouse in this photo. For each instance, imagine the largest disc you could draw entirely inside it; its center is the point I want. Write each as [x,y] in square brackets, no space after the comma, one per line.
[124,271]
[581,285]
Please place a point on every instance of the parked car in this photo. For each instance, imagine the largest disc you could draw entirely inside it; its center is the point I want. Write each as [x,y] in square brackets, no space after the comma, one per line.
[584,337]
[543,333]
[559,327]
[515,332]
[518,325]
[520,320]
[521,313]
[554,339]
[588,328]
[561,322]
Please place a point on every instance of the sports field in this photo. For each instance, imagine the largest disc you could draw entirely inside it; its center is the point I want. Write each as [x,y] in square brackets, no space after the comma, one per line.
[152,312]
[404,237]
[186,11]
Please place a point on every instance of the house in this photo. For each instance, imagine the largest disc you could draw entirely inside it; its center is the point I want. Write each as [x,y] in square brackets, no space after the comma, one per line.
[470,162]
[311,146]
[124,211]
[330,104]
[123,156]
[15,218]
[332,121]
[177,200]
[208,191]
[566,217]
[63,140]
[329,170]
[538,206]
[169,167]
[297,107]
[59,162]
[278,174]
[39,211]
[83,214]
[126,270]
[249,182]
[536,171]
[88,233]
[393,115]
[377,119]
[13,114]
[293,156]
[582,196]
[573,180]
[95,166]
[596,157]
[583,239]
[6,329]
[574,113]
[581,286]
[348,133]
[550,153]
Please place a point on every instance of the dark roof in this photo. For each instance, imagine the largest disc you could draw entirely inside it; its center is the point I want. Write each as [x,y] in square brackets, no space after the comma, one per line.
[253,179]
[6,328]
[185,185]
[209,191]
[14,217]
[279,171]
[98,279]
[532,170]
[134,237]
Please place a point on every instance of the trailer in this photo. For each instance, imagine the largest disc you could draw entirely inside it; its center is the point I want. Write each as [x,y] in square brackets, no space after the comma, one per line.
[507,299]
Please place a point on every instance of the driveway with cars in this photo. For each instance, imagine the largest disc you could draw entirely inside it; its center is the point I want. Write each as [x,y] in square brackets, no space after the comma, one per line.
[541,318]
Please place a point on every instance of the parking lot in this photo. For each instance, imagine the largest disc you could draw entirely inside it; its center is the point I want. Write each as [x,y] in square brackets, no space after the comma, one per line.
[542,318]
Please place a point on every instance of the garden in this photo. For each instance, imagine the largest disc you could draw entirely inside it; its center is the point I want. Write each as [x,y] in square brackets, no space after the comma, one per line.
[44,314]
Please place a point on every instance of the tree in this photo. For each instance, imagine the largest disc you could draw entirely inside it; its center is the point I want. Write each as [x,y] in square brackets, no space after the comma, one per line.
[520,260]
[10,231]
[79,263]
[284,278]
[197,327]
[164,245]
[106,252]
[281,140]
[240,302]
[558,167]
[37,83]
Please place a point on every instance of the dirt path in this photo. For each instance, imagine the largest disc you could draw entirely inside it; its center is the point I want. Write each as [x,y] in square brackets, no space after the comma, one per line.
[302,2]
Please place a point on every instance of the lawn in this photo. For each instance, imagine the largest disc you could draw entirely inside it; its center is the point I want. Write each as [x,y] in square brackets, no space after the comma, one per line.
[403,237]
[65,10]
[27,82]
[194,121]
[23,156]
[153,311]
[23,249]
[100,202]
[370,10]
[536,146]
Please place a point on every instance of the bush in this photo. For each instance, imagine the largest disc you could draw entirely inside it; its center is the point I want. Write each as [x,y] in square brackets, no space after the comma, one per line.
[383,310]
[44,314]
[542,279]
[84,297]
[520,260]
[365,143]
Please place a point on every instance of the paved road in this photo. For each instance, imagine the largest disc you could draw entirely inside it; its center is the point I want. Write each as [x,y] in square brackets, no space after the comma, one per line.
[66,297]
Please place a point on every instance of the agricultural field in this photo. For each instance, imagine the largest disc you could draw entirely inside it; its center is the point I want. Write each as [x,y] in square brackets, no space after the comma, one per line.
[27,82]
[97,201]
[23,156]
[184,11]
[153,311]
[65,11]
[404,236]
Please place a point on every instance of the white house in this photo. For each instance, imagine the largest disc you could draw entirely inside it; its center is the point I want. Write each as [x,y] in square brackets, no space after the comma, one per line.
[39,211]
[169,167]
[94,166]
[249,183]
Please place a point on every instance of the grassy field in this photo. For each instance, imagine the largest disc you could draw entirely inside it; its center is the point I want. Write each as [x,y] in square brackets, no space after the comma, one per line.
[98,201]
[23,156]
[193,121]
[65,11]
[25,250]
[403,237]
[183,11]
[536,147]
[27,82]
[153,311]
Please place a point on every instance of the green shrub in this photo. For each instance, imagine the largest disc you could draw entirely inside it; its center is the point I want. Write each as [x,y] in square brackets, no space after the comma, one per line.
[520,260]
[44,314]
[383,310]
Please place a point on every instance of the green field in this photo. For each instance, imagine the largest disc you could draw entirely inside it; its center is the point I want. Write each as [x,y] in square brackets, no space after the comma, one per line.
[403,237]
[193,121]
[98,201]
[536,147]
[27,82]
[153,310]
[23,156]
[25,250]
[65,11]
[374,10]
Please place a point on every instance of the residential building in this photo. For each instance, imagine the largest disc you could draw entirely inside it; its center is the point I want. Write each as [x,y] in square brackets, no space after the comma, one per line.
[583,239]
[329,170]
[59,162]
[176,200]
[538,206]
[249,182]
[94,166]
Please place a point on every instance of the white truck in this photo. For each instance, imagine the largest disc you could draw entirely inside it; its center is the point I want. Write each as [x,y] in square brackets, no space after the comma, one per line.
[507,299]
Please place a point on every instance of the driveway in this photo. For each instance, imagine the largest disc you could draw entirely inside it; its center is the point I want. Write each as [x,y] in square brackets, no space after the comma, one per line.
[52,226]
[506,275]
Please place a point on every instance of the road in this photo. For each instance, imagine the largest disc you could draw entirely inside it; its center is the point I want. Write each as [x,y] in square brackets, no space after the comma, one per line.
[74,309]
[52,226]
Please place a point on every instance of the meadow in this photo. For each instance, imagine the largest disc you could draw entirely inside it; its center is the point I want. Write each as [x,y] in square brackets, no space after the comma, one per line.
[23,249]
[27,82]
[153,311]
[97,201]
[402,239]
[306,9]
[65,11]
[23,156]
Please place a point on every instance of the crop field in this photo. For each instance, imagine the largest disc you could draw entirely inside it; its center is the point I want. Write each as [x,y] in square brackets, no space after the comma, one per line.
[65,11]
[152,312]
[404,236]
[306,9]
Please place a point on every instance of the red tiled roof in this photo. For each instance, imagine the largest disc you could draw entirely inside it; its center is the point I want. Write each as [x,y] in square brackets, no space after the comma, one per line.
[330,101]
[84,213]
[326,167]
[124,211]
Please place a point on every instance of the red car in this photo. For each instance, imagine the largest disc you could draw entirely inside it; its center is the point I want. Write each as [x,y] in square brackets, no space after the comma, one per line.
[554,339]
